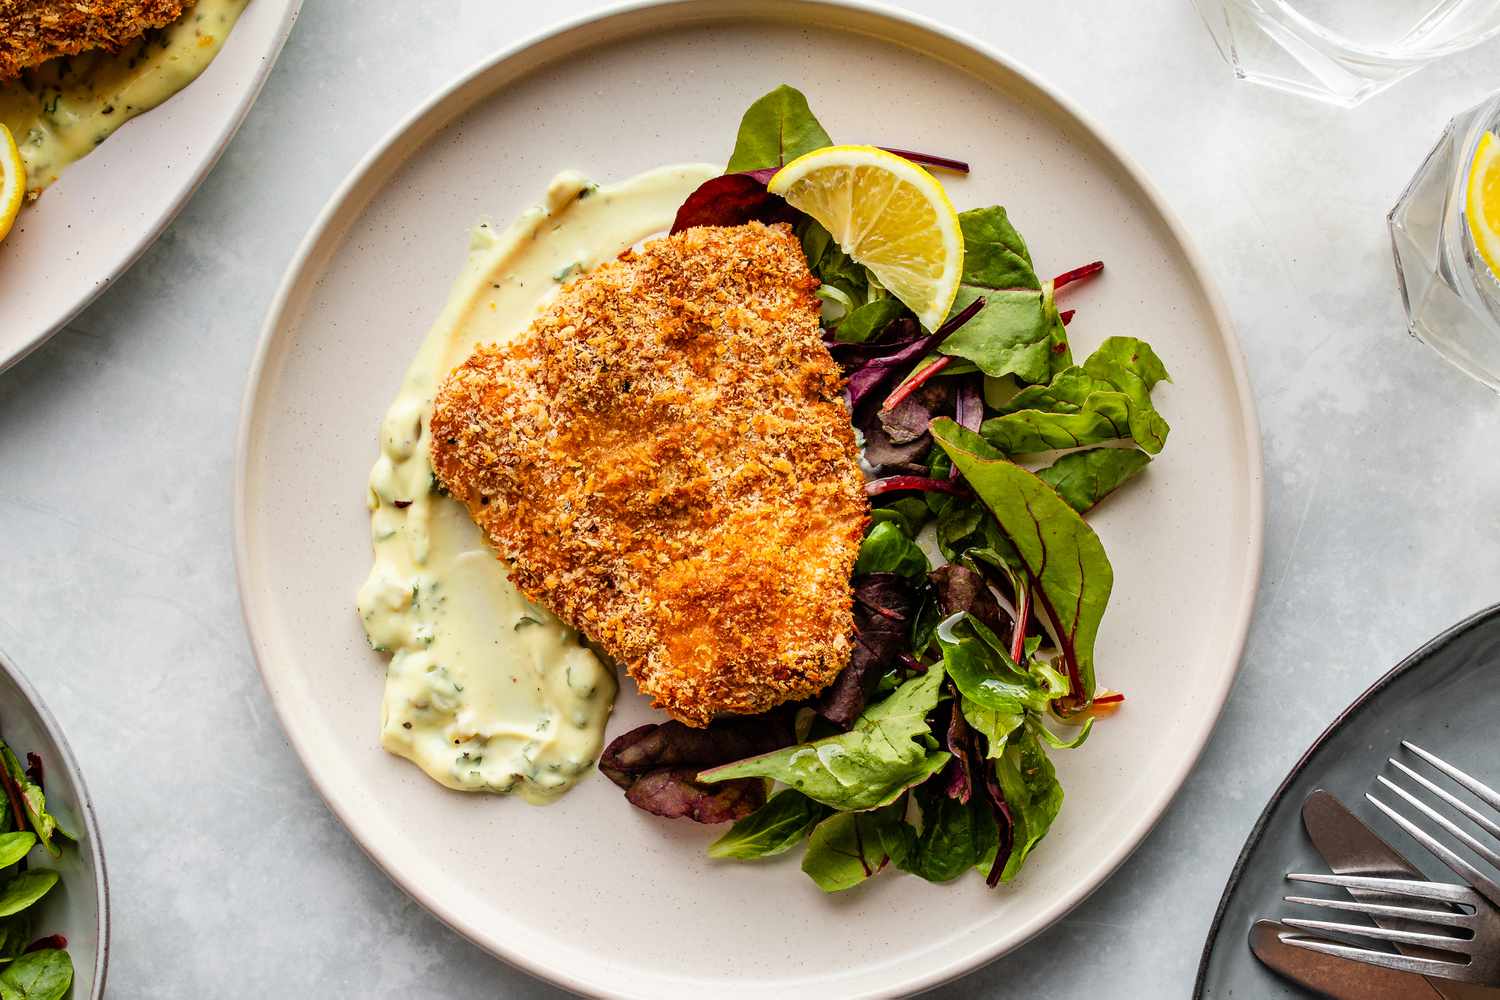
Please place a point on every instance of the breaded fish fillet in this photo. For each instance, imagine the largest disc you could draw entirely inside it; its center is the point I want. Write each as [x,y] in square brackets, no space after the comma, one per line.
[33,31]
[666,461]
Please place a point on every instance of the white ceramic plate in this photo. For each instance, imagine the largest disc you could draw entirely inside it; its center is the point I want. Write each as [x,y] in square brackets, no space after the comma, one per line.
[107,208]
[591,893]
[78,906]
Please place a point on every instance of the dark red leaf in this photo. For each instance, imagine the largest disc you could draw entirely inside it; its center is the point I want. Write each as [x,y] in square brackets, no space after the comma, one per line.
[674,792]
[732,200]
[884,604]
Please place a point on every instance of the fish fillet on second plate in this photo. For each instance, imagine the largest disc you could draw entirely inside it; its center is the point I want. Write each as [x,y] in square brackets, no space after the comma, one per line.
[667,463]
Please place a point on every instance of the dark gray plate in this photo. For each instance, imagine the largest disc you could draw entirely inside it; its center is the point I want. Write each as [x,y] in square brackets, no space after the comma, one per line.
[1445,697]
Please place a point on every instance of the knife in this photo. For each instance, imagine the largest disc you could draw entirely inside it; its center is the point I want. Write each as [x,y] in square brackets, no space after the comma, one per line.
[1349,847]
[1333,977]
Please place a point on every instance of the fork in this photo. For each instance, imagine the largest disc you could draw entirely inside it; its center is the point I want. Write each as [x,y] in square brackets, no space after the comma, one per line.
[1473,911]
[1476,945]
[1485,885]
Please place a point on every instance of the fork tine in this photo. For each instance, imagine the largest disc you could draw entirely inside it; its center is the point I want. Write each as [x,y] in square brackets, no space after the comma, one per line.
[1442,942]
[1484,792]
[1482,883]
[1440,892]
[1478,818]
[1384,959]
[1462,835]
[1445,917]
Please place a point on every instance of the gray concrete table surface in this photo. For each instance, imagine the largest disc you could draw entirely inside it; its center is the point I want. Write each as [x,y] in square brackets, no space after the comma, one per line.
[117,592]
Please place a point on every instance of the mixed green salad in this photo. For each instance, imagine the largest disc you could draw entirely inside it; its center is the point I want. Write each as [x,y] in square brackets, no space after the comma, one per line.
[32,967]
[979,588]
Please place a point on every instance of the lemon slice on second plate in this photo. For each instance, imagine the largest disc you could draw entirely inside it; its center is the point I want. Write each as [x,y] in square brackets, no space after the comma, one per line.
[889,215]
[12,181]
[1482,203]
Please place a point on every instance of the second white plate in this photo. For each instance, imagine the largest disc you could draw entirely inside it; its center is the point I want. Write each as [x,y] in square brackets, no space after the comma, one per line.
[591,893]
[110,206]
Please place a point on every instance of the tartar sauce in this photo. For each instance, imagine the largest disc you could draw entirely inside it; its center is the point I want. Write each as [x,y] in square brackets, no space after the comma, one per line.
[59,111]
[485,691]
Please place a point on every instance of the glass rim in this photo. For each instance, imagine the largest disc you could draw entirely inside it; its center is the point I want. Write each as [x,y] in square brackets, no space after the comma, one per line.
[1379,53]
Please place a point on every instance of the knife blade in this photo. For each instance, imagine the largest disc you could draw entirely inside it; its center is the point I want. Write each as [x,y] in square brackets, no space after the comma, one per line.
[1349,847]
[1328,976]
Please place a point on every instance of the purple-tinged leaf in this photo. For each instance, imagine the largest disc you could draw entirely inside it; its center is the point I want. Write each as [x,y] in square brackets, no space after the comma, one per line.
[657,763]
[732,200]
[1004,823]
[674,793]
[908,420]
[929,160]
[884,604]
[957,775]
[866,380]
[959,588]
[924,484]
[883,453]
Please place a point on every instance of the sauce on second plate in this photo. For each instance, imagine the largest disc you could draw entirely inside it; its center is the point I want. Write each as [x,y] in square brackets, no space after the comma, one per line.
[59,111]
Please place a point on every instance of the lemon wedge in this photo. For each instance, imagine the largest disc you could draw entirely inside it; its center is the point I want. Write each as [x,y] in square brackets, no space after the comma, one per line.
[1482,203]
[889,215]
[12,181]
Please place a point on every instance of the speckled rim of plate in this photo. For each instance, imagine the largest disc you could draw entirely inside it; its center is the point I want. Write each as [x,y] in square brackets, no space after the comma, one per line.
[85,807]
[427,120]
[1412,661]
[122,257]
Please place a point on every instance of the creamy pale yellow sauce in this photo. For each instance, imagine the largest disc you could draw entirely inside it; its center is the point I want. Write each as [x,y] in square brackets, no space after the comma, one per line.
[484,691]
[59,111]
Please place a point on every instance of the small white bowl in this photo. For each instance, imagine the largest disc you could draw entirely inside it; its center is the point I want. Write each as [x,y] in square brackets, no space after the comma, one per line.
[78,908]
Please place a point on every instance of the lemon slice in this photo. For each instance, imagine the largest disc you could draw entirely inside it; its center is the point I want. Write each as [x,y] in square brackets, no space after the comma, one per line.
[1482,203]
[12,181]
[889,215]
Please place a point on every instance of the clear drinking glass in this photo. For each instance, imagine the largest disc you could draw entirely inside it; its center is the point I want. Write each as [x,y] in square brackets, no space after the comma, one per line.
[1343,51]
[1452,297]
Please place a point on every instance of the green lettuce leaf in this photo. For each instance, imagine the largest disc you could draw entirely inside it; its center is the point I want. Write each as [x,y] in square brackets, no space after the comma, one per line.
[16,932]
[1018,332]
[955,836]
[1070,574]
[15,846]
[909,512]
[37,975]
[1107,399]
[995,255]
[865,768]
[995,726]
[867,320]
[888,549]
[1033,794]
[850,847]
[775,129]
[22,890]
[986,676]
[1083,478]
[774,828]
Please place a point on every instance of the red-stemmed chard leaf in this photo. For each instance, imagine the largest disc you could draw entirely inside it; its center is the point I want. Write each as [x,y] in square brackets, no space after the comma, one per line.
[1068,573]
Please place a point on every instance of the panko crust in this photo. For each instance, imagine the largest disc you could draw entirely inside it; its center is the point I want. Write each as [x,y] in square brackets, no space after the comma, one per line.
[33,31]
[666,461]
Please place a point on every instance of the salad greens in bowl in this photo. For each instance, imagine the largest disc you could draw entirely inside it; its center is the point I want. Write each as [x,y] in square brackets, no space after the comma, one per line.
[980,585]
[54,907]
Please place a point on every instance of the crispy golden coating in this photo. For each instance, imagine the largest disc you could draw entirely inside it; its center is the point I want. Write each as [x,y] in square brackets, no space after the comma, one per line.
[667,463]
[33,31]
